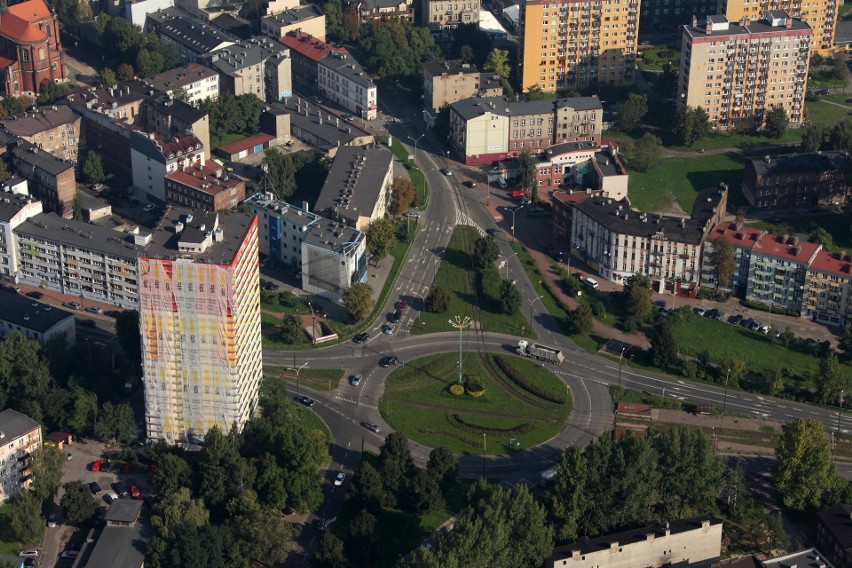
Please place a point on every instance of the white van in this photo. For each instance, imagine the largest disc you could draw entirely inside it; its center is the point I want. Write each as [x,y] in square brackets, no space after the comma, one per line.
[591,283]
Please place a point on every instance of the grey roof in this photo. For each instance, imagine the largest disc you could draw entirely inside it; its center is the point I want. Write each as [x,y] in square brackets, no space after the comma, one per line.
[843,32]
[244,54]
[14,424]
[164,242]
[373,4]
[345,64]
[295,15]
[123,511]
[118,547]
[331,133]
[798,163]
[40,159]
[45,118]
[611,214]
[53,228]
[195,35]
[354,181]
[566,147]
[287,211]
[12,203]
[179,77]
[476,106]
[753,27]
[232,24]
[608,164]
[449,67]
[810,558]
[180,110]
[123,93]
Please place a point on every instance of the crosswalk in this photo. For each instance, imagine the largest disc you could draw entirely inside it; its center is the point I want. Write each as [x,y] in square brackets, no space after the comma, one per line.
[463,219]
[355,402]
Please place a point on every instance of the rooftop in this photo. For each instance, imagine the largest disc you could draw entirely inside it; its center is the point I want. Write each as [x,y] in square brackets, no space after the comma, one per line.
[720,26]
[786,248]
[123,511]
[449,67]
[180,77]
[570,197]
[104,99]
[619,218]
[12,203]
[119,547]
[45,118]
[354,181]
[14,424]
[245,53]
[739,235]
[477,106]
[234,25]
[608,165]
[344,64]
[838,263]
[810,558]
[296,15]
[843,32]
[330,131]
[19,21]
[309,46]
[182,228]
[195,35]
[372,5]
[246,143]
[838,521]
[45,161]
[569,147]
[798,163]
[209,178]
[184,112]
[51,227]
[749,561]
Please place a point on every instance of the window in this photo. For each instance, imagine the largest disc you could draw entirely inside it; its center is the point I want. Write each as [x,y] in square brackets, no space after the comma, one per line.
[26,55]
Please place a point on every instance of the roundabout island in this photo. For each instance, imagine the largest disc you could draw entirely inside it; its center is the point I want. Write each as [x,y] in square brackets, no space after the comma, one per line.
[504,403]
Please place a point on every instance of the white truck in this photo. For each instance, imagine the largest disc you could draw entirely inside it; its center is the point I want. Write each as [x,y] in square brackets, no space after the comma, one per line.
[539,351]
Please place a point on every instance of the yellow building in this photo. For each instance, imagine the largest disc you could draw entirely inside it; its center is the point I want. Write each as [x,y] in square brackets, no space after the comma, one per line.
[200,324]
[571,44]
[738,72]
[20,436]
[828,288]
[821,15]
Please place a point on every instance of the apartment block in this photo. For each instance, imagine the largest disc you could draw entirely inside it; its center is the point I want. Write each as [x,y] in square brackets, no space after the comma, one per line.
[315,126]
[20,436]
[821,16]
[777,271]
[79,259]
[618,242]
[153,156]
[667,16]
[691,542]
[742,238]
[307,19]
[192,37]
[739,71]
[331,256]
[14,210]
[385,9]
[834,533]
[259,66]
[443,16]
[34,320]
[204,186]
[200,323]
[50,179]
[488,129]
[54,129]
[446,82]
[196,80]
[573,45]
[828,288]
[170,118]
[796,180]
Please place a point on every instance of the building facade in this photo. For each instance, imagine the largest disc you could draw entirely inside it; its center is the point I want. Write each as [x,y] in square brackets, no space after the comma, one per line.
[742,239]
[204,186]
[668,16]
[153,157]
[200,324]
[574,45]
[196,80]
[446,82]
[342,80]
[738,72]
[35,321]
[30,51]
[14,210]
[777,271]
[49,178]
[308,19]
[385,9]
[796,180]
[259,66]
[821,16]
[584,166]
[54,129]
[834,533]
[828,288]
[20,436]
[443,16]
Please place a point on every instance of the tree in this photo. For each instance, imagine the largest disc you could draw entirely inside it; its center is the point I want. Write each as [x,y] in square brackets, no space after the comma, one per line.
[839,68]
[637,293]
[438,300]
[148,63]
[77,503]
[362,528]
[263,535]
[4,171]
[529,172]
[582,319]
[291,329]
[830,379]
[368,488]
[840,137]
[805,474]
[115,422]
[814,138]
[83,410]
[48,463]
[352,22]
[395,460]
[281,170]
[403,193]
[498,62]
[180,94]
[644,153]
[723,259]
[127,330]
[171,474]
[179,509]
[26,520]
[424,493]
[358,300]
[77,208]
[93,168]
[271,482]
[777,121]
[845,341]
[823,237]
[633,110]
[566,500]
[485,252]
[51,92]
[107,77]
[510,297]
[691,124]
[477,43]
[443,464]
[466,54]
[250,108]
[381,238]
[663,347]
[787,336]
[125,72]
[333,11]
[395,50]
[691,472]
[330,552]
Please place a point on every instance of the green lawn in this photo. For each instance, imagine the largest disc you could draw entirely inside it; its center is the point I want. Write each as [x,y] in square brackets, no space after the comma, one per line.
[317,379]
[656,58]
[823,113]
[8,545]
[823,78]
[456,275]
[227,139]
[680,179]
[283,302]
[417,177]
[417,403]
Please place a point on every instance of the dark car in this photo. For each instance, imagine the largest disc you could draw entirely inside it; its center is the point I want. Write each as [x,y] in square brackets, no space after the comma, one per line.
[491,231]
[735,319]
[711,313]
[746,323]
[371,427]
[361,338]
[388,361]
[307,401]
[660,303]
[95,488]
[112,313]
[470,184]
[396,316]
[35,294]
[88,323]
[121,488]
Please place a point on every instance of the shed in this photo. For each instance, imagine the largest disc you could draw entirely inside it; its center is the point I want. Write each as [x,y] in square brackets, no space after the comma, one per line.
[240,149]
[59,439]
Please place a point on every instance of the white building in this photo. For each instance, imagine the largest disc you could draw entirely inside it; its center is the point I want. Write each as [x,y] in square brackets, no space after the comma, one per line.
[20,436]
[14,210]
[196,80]
[135,11]
[34,320]
[342,80]
[152,157]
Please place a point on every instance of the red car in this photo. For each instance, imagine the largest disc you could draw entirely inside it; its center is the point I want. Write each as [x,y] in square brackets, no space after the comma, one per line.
[134,492]
[96,465]
[403,305]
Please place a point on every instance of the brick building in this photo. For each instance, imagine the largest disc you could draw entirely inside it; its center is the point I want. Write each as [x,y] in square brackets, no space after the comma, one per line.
[54,129]
[50,179]
[204,186]
[30,51]
[796,180]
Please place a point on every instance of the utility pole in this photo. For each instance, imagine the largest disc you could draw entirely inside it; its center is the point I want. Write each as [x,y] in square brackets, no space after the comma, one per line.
[839,416]
[620,360]
[725,399]
[460,324]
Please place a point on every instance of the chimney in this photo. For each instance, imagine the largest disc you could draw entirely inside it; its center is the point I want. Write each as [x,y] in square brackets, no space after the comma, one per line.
[788,23]
[694,21]
[305,207]
[708,26]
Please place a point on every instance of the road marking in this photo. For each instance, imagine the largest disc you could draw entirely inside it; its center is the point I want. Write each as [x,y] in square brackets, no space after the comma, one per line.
[355,402]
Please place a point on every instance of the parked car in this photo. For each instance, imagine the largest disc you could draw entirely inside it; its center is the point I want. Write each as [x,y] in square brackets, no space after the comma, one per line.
[719,315]
[470,184]
[447,171]
[371,427]
[306,400]
[746,323]
[412,214]
[70,554]
[388,361]
[134,492]
[735,319]
[361,338]
[402,306]
[397,315]
[491,231]
[97,186]
[764,329]
[660,303]
[110,497]
[756,325]
[355,380]
[94,488]
[121,488]
[30,553]
[711,313]
[51,520]
[35,294]
[69,457]
[699,311]
[148,208]
[96,465]
[72,305]
[502,183]
[94,310]
[389,328]
[339,479]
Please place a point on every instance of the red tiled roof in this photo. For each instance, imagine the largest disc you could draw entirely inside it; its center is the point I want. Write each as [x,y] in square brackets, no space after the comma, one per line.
[775,246]
[204,178]
[18,22]
[32,11]
[4,63]
[309,46]
[744,237]
[576,197]
[247,143]
[180,146]
[832,263]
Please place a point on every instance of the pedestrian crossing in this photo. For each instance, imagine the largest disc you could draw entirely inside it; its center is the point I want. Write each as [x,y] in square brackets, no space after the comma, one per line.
[463,219]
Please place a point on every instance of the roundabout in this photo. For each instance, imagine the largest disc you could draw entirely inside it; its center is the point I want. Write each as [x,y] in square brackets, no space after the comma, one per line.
[504,403]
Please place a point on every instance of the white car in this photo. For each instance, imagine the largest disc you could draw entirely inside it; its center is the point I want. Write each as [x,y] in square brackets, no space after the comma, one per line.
[28,553]
[111,496]
[389,327]
[356,380]
[339,479]
[700,311]
[447,171]
[412,214]
[149,207]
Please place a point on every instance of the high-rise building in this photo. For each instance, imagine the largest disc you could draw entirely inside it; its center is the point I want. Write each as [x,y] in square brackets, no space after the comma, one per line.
[200,323]
[738,72]
[569,44]
[820,15]
[667,16]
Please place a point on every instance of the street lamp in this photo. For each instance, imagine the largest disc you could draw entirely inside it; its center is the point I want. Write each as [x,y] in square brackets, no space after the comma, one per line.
[460,324]
[299,370]
[515,210]
[839,415]
[725,399]
[620,360]
[416,140]
[506,259]
[531,306]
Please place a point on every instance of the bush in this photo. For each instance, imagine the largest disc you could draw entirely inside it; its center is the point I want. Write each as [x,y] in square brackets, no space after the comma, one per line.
[690,369]
[598,308]
[474,389]
[518,377]
[456,389]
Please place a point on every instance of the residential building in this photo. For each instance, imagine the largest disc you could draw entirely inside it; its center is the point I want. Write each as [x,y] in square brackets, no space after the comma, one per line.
[34,320]
[275,121]
[192,37]
[739,71]
[30,53]
[332,73]
[313,125]
[275,6]
[20,436]
[50,179]
[443,16]
[136,11]
[777,271]
[796,181]
[120,543]
[828,288]
[153,156]
[691,542]
[571,44]
[742,238]
[200,324]
[385,9]
[54,129]
[446,82]
[308,19]
[488,129]
[834,533]
[820,16]
[357,190]
[808,558]
[667,16]
[195,80]
[170,118]
[233,24]
[259,66]
[330,256]
[619,242]
[584,165]
[204,186]
[79,259]
[491,26]
[14,210]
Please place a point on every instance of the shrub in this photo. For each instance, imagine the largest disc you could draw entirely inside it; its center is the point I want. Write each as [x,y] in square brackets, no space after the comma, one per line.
[474,389]
[457,389]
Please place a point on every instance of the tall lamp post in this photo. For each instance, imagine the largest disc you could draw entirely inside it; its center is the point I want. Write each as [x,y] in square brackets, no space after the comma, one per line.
[460,324]
[515,210]
[506,258]
[839,416]
[725,399]
[531,311]
[416,140]
[620,360]
[299,370]
[313,323]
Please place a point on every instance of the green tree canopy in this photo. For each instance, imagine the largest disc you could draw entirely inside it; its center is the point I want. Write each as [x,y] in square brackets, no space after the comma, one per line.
[582,319]
[438,300]
[291,329]
[644,153]
[281,170]
[690,471]
[777,121]
[510,298]
[632,111]
[381,238]
[724,262]
[358,300]
[498,62]
[814,138]
[26,522]
[93,168]
[485,252]
[663,347]
[48,463]
[830,379]
[529,171]
[637,295]
[172,474]
[691,124]
[394,49]
[403,193]
[77,502]
[115,422]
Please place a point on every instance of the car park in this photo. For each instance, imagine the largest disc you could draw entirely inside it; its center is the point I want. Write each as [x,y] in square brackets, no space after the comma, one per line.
[72,305]
[388,361]
[361,338]
[371,427]
[355,380]
[306,400]
[389,328]
[35,294]
[94,488]
[339,479]
[94,310]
